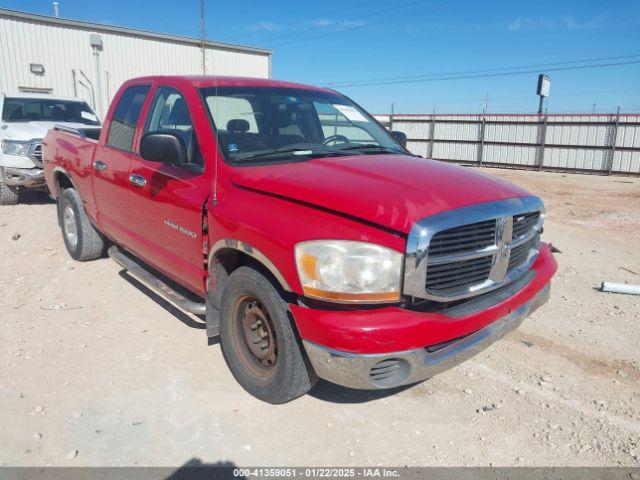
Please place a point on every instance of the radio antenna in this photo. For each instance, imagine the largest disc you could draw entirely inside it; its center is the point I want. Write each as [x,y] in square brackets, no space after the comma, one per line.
[202,47]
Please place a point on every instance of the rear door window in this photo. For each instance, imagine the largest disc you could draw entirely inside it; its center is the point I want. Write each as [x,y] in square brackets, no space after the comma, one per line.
[125,117]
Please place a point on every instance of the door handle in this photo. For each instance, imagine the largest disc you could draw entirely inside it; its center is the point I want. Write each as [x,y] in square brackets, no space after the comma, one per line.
[137,180]
[99,166]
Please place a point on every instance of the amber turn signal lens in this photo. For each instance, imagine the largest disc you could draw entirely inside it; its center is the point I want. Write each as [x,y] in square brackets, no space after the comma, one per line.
[374,297]
[308,264]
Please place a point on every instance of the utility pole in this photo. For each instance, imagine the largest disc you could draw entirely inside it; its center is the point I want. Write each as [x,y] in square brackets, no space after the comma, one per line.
[432,133]
[391,117]
[614,140]
[204,51]
[483,122]
[541,105]
[594,107]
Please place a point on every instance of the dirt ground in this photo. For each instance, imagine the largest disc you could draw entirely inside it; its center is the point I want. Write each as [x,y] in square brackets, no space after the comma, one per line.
[96,371]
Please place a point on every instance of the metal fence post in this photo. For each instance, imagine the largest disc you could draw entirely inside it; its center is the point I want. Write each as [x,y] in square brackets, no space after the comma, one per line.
[614,138]
[481,140]
[542,140]
[433,134]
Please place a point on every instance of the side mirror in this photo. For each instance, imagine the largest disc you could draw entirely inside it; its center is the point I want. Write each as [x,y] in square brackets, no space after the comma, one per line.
[400,137]
[164,147]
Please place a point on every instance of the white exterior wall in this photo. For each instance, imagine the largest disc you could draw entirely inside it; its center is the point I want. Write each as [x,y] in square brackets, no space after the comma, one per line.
[62,49]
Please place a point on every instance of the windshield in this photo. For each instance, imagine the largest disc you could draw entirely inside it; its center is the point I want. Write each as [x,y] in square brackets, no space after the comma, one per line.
[49,110]
[267,124]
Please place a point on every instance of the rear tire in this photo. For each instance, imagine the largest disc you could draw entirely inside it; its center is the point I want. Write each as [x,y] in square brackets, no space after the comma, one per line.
[258,341]
[82,240]
[9,195]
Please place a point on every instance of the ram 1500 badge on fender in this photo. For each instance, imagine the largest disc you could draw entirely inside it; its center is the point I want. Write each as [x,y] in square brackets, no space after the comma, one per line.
[25,120]
[311,240]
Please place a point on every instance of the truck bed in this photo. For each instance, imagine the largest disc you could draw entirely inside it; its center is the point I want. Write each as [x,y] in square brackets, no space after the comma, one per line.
[71,150]
[87,132]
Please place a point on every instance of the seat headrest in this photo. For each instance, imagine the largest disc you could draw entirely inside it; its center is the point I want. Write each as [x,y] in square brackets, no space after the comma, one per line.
[238,125]
[179,113]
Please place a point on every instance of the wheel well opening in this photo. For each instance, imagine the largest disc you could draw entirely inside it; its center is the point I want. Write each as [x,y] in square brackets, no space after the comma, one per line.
[229,260]
[63,181]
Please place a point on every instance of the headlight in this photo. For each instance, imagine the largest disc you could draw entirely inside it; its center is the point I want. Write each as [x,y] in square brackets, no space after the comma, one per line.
[12,147]
[348,271]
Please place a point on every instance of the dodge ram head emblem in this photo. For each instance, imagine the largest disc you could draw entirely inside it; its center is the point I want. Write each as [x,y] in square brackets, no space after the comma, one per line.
[504,234]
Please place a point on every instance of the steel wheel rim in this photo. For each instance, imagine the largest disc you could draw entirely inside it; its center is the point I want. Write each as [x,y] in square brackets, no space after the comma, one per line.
[70,226]
[256,336]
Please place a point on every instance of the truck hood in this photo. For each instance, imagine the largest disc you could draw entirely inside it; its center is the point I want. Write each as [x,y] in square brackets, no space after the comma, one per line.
[393,191]
[33,130]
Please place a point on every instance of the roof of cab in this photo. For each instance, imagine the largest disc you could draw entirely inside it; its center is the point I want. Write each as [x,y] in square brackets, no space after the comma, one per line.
[204,81]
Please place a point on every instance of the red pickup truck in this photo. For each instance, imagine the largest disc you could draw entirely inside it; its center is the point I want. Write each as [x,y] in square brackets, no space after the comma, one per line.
[311,240]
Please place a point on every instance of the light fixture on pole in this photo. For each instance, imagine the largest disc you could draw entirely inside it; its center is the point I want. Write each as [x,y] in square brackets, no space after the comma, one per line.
[544,86]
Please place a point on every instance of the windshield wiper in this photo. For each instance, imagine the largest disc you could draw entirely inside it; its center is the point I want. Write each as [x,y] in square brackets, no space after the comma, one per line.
[372,146]
[296,151]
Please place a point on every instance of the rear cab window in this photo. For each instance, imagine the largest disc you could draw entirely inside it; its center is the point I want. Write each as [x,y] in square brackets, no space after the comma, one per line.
[227,109]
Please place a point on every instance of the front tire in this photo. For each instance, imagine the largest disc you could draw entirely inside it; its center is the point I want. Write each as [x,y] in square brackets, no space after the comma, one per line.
[82,240]
[9,195]
[258,341]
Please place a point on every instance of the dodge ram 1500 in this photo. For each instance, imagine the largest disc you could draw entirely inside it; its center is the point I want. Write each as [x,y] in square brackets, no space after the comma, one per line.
[307,235]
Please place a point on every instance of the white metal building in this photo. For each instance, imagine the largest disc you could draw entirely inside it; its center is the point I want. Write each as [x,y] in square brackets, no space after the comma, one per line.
[44,54]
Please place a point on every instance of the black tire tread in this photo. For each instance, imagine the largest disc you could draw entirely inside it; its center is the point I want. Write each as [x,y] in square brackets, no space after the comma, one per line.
[90,242]
[296,376]
[9,195]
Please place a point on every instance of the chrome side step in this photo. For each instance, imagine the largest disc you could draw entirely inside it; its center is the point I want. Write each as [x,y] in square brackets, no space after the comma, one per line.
[154,283]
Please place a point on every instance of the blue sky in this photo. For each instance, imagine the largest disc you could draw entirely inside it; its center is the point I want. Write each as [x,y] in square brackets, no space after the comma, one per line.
[340,41]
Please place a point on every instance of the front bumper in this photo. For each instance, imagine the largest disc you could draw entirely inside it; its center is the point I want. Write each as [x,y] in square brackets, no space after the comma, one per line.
[344,345]
[22,177]
[388,370]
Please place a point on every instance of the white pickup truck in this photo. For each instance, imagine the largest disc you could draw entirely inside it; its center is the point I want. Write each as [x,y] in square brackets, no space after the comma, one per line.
[25,121]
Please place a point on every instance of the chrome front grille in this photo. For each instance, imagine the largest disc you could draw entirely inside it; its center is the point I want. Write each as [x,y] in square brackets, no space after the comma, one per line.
[472,250]
[523,223]
[35,154]
[452,276]
[520,254]
[467,237]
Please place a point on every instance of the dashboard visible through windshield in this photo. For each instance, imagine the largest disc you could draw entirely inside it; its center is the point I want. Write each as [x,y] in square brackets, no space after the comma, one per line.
[270,124]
